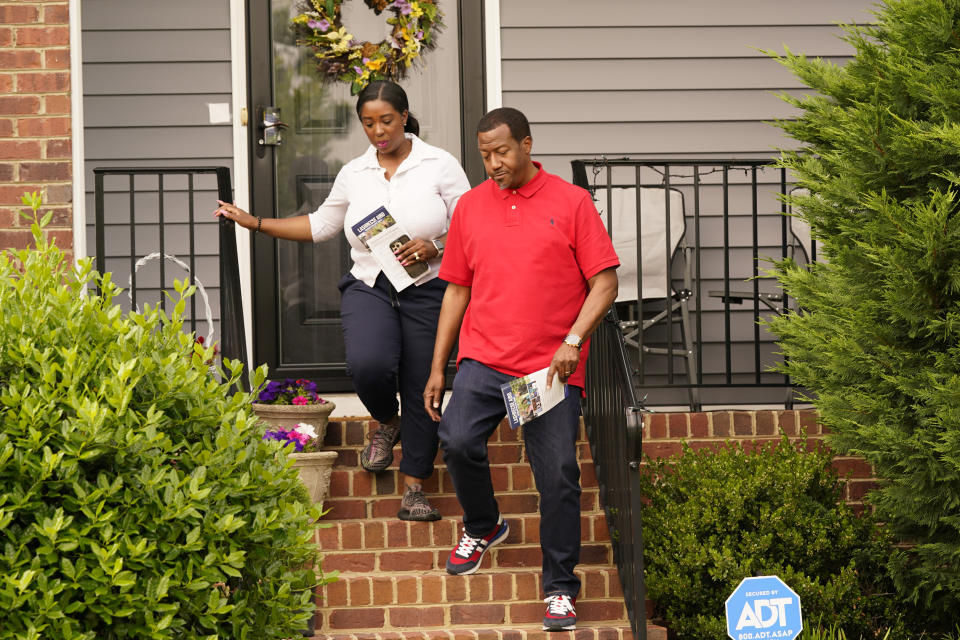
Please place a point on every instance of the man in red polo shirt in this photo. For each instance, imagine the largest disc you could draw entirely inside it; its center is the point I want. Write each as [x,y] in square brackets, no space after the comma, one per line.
[531,272]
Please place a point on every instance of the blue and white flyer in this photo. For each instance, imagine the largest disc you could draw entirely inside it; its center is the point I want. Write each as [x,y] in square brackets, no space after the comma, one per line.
[381,234]
[528,397]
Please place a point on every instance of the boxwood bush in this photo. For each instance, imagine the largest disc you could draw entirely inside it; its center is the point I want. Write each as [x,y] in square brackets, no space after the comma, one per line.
[136,497]
[714,518]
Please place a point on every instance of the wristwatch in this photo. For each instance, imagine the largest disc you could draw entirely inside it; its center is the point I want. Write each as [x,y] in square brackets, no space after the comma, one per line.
[438,245]
[574,341]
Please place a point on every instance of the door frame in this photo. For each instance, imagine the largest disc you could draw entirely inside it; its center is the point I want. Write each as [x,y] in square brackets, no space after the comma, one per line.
[263,255]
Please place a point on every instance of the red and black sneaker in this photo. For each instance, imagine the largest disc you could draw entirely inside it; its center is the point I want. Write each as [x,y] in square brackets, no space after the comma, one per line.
[560,615]
[466,556]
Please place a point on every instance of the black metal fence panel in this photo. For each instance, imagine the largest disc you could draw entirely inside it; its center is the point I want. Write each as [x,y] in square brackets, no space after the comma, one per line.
[153,226]
[697,240]
[614,426]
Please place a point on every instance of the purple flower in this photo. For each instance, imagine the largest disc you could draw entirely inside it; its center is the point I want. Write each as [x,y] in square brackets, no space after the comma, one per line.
[290,391]
[358,70]
[419,35]
[403,6]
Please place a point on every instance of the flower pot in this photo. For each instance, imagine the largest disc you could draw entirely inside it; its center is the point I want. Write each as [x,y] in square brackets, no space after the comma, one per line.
[288,415]
[314,468]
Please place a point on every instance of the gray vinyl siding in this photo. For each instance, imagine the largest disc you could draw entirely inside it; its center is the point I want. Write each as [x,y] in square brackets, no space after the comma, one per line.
[149,71]
[657,79]
[661,80]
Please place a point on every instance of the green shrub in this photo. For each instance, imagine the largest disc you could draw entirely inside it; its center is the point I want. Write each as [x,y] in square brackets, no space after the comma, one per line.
[138,500]
[714,518]
[879,339]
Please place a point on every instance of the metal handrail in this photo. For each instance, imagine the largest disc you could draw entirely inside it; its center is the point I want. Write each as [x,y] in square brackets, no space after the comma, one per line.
[233,342]
[614,423]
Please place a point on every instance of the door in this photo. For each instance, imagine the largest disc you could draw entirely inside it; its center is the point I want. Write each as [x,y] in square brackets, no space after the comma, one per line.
[297,327]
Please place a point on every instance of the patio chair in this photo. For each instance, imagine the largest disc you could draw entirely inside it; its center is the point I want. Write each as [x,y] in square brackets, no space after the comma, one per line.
[800,247]
[662,248]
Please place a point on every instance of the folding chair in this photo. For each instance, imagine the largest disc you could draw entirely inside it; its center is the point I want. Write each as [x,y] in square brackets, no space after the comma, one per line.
[800,247]
[662,230]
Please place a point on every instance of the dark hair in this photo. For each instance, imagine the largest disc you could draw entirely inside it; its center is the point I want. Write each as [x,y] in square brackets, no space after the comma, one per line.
[513,118]
[392,93]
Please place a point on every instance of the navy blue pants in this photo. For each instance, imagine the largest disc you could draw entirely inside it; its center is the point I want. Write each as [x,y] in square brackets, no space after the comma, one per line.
[476,408]
[389,339]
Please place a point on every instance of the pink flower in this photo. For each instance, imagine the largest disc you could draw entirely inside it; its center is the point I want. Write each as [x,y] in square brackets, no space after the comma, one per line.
[301,400]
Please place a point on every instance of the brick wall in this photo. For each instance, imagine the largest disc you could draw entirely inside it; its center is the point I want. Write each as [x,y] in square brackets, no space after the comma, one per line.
[35,143]
[663,433]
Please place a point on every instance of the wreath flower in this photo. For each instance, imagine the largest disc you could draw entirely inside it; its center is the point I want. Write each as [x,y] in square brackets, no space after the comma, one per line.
[341,57]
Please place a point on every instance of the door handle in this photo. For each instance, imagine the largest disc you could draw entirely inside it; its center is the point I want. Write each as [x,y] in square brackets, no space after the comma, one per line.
[270,127]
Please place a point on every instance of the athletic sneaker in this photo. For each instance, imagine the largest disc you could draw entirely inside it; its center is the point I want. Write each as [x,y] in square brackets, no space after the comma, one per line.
[415,506]
[560,614]
[378,454]
[466,556]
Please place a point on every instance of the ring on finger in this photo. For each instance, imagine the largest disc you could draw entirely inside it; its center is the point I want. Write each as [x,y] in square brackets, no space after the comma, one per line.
[416,257]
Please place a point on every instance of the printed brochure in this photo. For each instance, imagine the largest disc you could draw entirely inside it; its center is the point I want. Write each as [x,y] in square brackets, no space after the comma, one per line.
[380,233]
[528,397]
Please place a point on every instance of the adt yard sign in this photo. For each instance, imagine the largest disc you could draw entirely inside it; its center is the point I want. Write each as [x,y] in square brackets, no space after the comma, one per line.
[763,608]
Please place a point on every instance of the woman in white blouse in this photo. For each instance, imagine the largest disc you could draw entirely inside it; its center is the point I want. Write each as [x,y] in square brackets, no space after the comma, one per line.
[389,335]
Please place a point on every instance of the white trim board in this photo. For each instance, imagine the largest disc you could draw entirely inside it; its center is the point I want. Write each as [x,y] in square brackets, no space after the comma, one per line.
[241,160]
[492,62]
[76,134]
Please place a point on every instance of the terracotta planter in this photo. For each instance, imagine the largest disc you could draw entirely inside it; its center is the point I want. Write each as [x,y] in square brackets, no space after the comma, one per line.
[314,469]
[288,415]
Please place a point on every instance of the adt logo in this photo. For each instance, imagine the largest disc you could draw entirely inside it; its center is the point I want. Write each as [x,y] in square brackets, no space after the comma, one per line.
[763,608]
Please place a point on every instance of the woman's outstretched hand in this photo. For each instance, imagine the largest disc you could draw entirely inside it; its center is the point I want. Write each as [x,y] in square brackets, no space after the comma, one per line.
[236,214]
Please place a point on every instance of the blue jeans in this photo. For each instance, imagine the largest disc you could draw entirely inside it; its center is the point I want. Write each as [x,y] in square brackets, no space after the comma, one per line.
[389,340]
[476,408]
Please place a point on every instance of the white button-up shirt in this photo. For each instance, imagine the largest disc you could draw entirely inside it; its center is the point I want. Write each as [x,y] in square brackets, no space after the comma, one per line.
[421,196]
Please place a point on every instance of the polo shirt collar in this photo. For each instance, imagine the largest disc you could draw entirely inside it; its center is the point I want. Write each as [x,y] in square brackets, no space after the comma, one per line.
[418,153]
[527,190]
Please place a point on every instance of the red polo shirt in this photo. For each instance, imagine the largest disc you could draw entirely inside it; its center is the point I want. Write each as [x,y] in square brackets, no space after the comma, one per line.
[526,254]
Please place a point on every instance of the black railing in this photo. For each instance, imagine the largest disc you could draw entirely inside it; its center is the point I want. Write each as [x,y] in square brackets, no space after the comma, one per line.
[694,289]
[614,422]
[147,231]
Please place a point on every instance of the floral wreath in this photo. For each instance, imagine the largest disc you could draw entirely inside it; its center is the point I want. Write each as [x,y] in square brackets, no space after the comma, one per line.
[342,57]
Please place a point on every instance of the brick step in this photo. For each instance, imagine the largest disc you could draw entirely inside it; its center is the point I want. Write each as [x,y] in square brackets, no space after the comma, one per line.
[353,433]
[356,590]
[511,504]
[464,614]
[390,533]
[585,631]
[499,453]
[354,481]
[503,556]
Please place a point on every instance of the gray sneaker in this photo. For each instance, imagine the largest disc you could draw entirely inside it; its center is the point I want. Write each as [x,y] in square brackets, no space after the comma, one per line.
[415,506]
[378,454]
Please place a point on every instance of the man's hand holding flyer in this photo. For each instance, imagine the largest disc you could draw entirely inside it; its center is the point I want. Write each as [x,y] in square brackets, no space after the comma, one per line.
[528,397]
